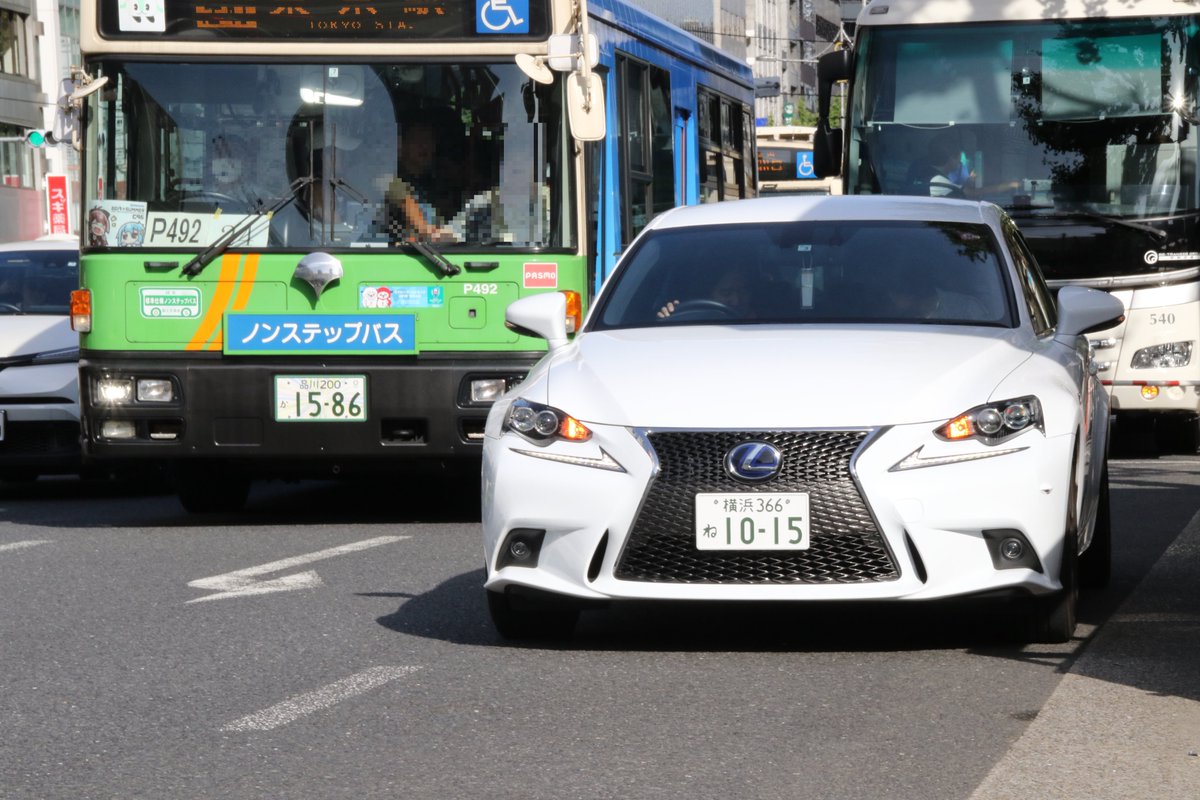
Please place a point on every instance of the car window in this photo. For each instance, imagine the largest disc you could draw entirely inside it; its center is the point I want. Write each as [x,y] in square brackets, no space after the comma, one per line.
[1035,294]
[798,272]
[38,281]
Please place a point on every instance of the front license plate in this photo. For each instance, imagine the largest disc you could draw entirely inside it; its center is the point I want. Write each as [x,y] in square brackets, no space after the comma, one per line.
[320,398]
[746,521]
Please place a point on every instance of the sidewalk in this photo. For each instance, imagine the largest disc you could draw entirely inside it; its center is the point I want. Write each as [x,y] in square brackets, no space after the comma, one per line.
[1124,723]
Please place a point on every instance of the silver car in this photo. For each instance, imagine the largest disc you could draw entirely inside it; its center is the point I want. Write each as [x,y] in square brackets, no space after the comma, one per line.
[39,355]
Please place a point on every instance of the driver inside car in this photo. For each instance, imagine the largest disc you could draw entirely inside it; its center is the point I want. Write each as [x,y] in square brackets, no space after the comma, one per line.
[731,295]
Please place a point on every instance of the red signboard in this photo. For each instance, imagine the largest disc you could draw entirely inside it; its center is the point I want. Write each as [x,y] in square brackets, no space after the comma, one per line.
[58,206]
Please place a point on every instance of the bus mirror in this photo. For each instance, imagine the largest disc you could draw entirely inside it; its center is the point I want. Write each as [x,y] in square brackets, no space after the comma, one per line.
[534,68]
[827,150]
[563,51]
[585,106]
[832,68]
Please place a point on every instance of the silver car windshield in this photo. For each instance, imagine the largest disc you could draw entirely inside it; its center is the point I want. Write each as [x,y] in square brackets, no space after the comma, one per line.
[867,272]
[38,281]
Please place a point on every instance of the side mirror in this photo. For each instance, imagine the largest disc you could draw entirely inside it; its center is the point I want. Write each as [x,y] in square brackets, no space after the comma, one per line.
[543,315]
[1082,310]
[827,150]
[585,106]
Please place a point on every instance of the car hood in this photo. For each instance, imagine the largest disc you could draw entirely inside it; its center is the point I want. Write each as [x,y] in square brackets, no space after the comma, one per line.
[776,377]
[30,334]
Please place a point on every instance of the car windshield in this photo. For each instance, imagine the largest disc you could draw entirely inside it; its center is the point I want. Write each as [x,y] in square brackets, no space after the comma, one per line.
[38,281]
[844,271]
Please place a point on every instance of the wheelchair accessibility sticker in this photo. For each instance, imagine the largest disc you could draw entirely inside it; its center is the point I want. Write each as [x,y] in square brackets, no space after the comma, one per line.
[502,16]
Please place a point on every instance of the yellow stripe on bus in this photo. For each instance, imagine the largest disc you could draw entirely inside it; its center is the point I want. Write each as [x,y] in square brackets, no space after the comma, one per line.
[216,309]
[249,272]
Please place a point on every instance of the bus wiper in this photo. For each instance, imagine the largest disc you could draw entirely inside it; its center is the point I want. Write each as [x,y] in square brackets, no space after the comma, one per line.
[1157,233]
[217,248]
[432,255]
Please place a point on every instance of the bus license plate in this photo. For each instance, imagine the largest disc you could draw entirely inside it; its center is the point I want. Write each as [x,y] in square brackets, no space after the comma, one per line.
[752,521]
[320,398]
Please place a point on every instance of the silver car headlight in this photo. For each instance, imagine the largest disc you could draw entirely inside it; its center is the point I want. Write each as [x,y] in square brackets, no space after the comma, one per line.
[1163,356]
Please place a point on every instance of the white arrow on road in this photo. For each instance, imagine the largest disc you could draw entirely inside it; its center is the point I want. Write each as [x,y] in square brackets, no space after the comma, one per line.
[245,582]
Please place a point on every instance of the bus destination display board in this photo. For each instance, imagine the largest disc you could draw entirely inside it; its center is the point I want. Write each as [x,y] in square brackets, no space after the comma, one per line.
[329,20]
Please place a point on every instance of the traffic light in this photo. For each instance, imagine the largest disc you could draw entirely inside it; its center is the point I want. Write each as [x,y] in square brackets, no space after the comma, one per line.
[36,138]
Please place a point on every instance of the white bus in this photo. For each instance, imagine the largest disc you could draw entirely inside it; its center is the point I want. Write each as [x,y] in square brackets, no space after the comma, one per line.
[785,164]
[1078,117]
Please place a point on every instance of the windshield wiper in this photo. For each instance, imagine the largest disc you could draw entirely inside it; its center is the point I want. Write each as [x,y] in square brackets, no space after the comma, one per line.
[1150,230]
[434,257]
[214,250]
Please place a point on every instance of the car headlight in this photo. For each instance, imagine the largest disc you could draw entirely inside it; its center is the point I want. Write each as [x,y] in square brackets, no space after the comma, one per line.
[1159,356]
[542,424]
[994,422]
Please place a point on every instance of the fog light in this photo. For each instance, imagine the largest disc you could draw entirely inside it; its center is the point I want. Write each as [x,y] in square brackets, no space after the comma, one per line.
[154,390]
[114,391]
[487,390]
[521,548]
[1149,392]
[1012,549]
[118,429]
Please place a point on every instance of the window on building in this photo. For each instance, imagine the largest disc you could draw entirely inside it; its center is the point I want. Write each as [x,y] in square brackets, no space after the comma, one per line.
[13,56]
[16,158]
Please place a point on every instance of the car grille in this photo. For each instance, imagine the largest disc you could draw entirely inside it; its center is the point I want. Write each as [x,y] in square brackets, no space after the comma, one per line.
[39,438]
[845,545]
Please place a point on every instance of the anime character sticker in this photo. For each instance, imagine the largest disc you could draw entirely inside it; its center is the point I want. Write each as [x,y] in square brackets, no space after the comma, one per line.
[98,225]
[131,234]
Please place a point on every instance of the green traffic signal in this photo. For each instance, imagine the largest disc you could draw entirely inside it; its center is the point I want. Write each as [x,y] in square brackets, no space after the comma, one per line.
[40,138]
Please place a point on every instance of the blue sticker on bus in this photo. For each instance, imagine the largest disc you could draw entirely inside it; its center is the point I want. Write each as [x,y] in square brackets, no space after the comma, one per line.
[320,333]
[804,164]
[501,16]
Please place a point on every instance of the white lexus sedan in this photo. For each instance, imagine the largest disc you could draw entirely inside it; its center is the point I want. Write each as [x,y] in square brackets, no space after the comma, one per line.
[805,398]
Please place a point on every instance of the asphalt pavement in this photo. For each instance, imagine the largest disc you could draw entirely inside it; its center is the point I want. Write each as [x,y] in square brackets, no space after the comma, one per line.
[1124,723]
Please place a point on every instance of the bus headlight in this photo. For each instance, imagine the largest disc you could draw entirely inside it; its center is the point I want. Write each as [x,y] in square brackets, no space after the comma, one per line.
[114,391]
[1163,356]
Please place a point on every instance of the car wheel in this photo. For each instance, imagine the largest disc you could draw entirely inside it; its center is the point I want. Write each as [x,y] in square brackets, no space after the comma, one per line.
[1095,565]
[523,618]
[1050,618]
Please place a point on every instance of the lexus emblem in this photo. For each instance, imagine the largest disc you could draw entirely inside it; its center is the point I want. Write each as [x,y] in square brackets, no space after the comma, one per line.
[753,462]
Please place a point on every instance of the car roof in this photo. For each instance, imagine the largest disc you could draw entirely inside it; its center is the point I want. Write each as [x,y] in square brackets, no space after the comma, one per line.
[816,208]
[44,243]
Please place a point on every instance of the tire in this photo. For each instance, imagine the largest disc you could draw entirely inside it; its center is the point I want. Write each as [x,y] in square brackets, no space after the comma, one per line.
[1095,565]
[1050,619]
[523,618]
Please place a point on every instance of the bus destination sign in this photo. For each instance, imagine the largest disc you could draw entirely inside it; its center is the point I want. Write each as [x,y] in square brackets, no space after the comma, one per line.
[331,20]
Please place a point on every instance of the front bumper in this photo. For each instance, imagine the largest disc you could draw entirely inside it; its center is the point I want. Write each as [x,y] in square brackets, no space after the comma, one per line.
[225,410]
[39,418]
[877,532]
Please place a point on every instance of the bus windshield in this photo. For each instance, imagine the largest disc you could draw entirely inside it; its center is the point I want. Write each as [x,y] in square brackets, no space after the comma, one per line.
[1065,123]
[327,155]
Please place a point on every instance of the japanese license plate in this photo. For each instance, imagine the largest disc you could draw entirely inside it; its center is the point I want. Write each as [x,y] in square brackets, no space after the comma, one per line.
[752,521]
[320,398]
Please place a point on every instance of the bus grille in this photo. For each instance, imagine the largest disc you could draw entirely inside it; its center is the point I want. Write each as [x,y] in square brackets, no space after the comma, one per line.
[845,545]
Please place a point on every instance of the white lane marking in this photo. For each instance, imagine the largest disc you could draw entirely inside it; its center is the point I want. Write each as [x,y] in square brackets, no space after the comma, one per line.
[244,582]
[305,704]
[23,545]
